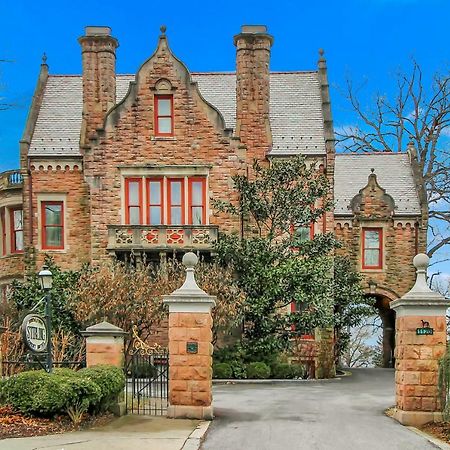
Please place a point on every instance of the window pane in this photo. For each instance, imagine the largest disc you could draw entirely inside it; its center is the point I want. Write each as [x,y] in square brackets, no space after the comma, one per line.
[302,234]
[155,215]
[134,212]
[175,215]
[164,107]
[197,215]
[165,125]
[133,193]
[371,239]
[155,193]
[53,236]
[53,214]
[175,192]
[19,241]
[197,191]
[371,258]
[18,225]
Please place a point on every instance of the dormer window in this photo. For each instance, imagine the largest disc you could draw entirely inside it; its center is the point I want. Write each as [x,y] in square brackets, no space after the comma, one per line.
[164,115]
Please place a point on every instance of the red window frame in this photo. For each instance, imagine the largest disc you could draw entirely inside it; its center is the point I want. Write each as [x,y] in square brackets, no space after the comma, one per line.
[127,199]
[190,198]
[44,226]
[3,224]
[13,232]
[160,116]
[379,248]
[161,200]
[169,199]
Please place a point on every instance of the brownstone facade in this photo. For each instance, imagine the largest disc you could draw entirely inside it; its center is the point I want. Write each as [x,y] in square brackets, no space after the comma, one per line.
[89,138]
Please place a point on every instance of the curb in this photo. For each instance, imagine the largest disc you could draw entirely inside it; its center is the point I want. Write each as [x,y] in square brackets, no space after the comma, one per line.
[195,439]
[219,381]
[434,440]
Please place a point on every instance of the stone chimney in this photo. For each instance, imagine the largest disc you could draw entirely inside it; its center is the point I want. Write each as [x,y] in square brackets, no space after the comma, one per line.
[98,50]
[253,46]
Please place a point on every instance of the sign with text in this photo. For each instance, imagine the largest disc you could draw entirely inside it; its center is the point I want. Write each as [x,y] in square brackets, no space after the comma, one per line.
[35,333]
[424,331]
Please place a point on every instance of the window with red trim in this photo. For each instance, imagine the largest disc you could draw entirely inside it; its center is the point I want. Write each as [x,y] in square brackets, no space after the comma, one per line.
[133,201]
[372,244]
[155,201]
[164,115]
[16,224]
[175,194]
[52,225]
[3,225]
[197,201]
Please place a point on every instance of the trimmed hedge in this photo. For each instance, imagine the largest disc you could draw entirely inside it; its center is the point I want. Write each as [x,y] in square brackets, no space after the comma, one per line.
[258,370]
[222,370]
[42,394]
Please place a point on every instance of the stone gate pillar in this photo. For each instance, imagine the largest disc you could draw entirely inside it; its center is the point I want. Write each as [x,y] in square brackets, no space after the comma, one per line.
[104,345]
[190,348]
[421,340]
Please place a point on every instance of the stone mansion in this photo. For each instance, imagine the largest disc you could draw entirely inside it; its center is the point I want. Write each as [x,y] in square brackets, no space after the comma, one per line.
[114,164]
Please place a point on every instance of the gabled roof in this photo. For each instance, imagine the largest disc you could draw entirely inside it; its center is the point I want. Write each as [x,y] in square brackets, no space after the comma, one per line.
[295,111]
[394,174]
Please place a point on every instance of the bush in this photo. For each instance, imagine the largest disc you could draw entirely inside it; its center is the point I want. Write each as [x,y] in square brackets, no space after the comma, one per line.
[258,370]
[287,371]
[144,370]
[43,394]
[222,370]
[239,370]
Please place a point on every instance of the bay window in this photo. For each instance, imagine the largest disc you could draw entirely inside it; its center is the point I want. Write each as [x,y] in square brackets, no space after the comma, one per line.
[372,241]
[165,201]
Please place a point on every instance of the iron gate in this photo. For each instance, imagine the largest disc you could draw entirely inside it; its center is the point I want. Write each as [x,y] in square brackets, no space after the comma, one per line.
[147,375]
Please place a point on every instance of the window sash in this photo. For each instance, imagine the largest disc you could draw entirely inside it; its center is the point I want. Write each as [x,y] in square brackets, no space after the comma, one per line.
[197,205]
[372,243]
[155,209]
[162,117]
[175,207]
[133,206]
[16,227]
[52,231]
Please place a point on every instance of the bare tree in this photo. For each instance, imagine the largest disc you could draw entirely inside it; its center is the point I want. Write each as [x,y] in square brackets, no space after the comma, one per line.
[359,353]
[417,117]
[4,104]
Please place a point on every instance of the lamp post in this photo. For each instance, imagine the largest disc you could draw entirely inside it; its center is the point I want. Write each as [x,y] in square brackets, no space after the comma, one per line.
[46,282]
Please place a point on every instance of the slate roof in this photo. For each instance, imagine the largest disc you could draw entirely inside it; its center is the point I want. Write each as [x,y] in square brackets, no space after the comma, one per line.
[295,111]
[394,174]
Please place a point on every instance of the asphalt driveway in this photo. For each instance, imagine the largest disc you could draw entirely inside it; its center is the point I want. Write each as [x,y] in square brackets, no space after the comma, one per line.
[346,414]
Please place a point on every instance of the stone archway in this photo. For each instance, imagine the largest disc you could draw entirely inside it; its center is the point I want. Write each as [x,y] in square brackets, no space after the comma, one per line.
[387,316]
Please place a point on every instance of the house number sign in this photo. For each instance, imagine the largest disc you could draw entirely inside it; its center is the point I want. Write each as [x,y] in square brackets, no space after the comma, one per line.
[34,333]
[425,329]
[192,347]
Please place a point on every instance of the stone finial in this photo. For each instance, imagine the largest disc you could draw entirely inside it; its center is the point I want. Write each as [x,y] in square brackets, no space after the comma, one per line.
[321,53]
[372,170]
[163,29]
[322,63]
[44,58]
[421,262]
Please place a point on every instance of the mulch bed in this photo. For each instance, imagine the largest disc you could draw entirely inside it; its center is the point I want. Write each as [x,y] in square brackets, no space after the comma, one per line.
[440,430]
[14,424]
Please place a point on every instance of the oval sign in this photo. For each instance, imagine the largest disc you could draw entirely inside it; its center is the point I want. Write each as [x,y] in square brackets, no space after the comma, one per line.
[34,333]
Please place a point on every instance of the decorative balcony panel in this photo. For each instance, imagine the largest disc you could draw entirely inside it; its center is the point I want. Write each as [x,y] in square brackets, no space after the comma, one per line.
[162,237]
[12,179]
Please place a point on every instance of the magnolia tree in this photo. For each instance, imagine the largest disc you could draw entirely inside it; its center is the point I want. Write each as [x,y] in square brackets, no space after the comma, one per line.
[276,266]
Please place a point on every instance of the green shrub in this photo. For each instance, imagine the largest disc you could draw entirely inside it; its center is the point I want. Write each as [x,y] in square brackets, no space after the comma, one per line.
[258,370]
[281,371]
[222,370]
[239,370]
[43,394]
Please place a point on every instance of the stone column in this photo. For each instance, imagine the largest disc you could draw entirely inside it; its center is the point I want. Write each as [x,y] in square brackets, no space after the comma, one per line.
[104,345]
[190,348]
[417,355]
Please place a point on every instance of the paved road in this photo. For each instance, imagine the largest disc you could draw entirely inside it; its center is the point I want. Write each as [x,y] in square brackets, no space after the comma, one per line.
[344,414]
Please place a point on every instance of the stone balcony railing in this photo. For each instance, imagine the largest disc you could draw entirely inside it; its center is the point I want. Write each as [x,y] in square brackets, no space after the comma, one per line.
[11,179]
[161,237]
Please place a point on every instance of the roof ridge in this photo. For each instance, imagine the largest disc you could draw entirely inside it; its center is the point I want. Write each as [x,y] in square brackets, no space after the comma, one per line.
[372,153]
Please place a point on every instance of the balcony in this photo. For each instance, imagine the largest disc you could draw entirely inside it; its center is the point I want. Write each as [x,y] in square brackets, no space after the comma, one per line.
[161,237]
[11,179]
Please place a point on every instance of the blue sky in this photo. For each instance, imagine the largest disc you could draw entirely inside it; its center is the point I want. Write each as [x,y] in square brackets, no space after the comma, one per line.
[364,39]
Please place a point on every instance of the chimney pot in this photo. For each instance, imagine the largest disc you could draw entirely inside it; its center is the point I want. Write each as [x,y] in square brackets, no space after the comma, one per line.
[97,31]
